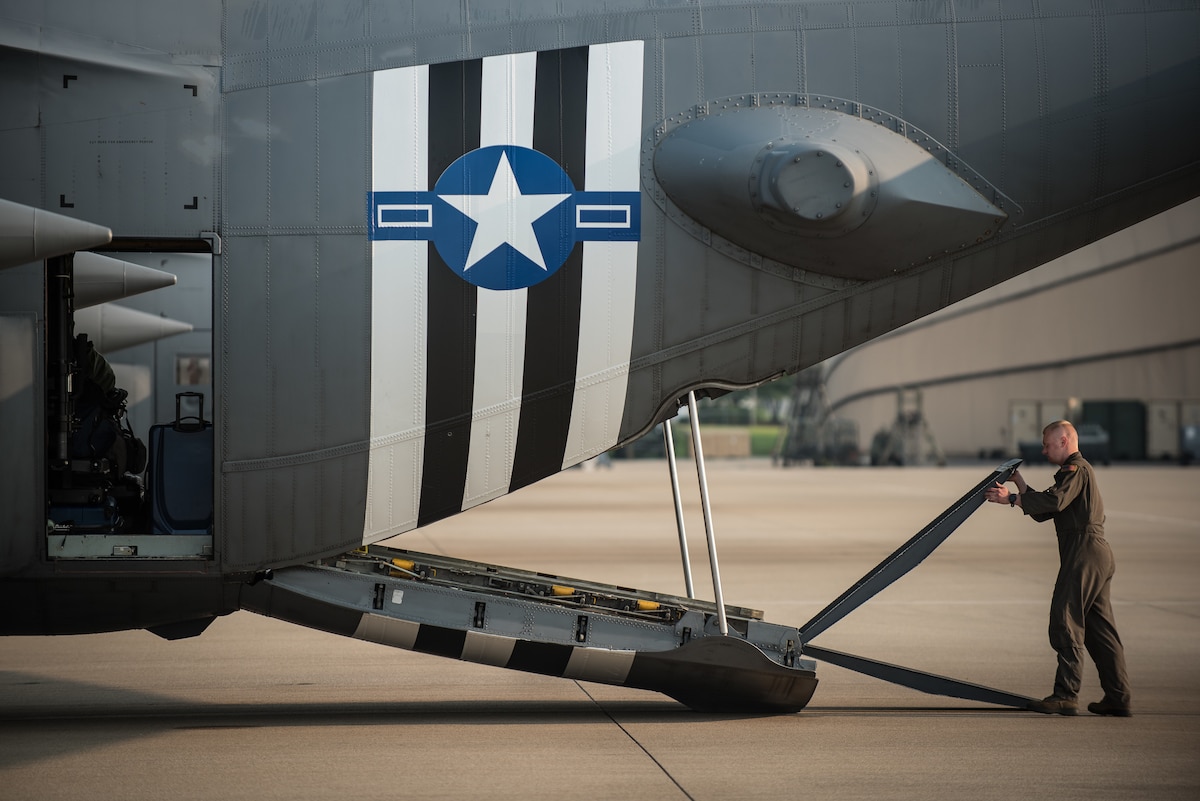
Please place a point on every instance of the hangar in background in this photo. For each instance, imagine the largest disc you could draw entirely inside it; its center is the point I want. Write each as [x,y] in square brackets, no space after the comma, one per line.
[1109,333]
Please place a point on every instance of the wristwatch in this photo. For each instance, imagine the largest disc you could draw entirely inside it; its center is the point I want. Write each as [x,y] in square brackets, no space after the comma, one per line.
[1012,499]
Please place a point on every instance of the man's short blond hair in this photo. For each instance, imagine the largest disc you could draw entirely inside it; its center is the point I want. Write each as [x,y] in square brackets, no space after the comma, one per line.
[1065,426]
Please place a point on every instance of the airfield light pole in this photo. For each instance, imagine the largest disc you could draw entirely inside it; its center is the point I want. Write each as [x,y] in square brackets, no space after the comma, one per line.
[708,526]
[669,439]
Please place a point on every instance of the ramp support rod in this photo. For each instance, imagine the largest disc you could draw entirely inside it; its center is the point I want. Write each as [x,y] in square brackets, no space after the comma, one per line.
[709,534]
[669,440]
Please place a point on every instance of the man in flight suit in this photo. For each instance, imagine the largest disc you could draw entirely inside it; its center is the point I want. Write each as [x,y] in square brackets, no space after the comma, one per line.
[1081,614]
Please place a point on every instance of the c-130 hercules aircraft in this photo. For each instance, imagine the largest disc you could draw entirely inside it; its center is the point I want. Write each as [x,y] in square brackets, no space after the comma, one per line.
[459,247]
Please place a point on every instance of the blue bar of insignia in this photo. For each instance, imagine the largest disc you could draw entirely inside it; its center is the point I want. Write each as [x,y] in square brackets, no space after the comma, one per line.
[608,216]
[401,215]
[595,216]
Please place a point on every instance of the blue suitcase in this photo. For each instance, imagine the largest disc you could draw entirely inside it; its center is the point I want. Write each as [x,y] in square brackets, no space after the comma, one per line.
[179,480]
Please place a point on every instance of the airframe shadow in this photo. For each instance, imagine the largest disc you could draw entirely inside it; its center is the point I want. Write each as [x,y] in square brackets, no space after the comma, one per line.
[59,726]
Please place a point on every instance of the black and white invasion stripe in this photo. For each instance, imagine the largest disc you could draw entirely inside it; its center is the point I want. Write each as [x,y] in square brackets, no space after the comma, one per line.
[477,392]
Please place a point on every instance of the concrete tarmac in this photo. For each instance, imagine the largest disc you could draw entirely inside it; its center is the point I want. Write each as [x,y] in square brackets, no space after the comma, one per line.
[260,709]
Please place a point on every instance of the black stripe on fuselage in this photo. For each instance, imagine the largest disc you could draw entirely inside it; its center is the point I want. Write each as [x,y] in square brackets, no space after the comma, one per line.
[552,319]
[454,112]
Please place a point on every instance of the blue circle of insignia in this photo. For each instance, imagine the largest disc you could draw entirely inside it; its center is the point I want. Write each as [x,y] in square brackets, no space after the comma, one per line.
[476,198]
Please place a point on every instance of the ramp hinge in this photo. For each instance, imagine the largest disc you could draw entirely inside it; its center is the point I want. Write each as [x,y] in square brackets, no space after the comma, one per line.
[581,628]
[377,601]
[480,614]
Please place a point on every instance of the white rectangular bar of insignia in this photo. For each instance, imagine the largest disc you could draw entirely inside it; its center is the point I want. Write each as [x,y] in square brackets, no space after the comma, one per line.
[506,118]
[425,207]
[613,155]
[579,223]
[399,154]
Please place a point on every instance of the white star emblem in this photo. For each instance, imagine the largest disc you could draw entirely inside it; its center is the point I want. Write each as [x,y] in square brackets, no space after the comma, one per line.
[504,216]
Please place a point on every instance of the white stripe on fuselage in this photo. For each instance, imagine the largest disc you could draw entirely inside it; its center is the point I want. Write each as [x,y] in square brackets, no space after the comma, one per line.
[399,158]
[609,268]
[506,118]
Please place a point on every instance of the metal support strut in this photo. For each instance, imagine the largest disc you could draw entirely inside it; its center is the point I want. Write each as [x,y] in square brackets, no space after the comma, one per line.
[669,440]
[709,534]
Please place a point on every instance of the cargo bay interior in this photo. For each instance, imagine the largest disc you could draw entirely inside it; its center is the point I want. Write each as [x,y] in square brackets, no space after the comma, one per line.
[137,477]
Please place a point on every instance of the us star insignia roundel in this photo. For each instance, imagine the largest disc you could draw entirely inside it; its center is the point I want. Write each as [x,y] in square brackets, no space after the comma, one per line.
[505,215]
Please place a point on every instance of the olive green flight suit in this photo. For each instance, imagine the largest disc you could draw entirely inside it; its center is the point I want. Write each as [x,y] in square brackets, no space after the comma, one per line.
[1081,614]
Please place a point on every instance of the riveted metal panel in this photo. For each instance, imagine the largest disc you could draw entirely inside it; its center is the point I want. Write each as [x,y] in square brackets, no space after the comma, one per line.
[341,307]
[190,31]
[1172,61]
[148,136]
[924,62]
[924,13]
[981,9]
[727,63]
[776,61]
[862,313]
[681,71]
[673,22]
[244,317]
[20,181]
[1023,143]
[296,308]
[825,15]
[1071,81]
[247,160]
[830,58]
[292,156]
[291,345]
[980,106]
[1130,130]
[879,68]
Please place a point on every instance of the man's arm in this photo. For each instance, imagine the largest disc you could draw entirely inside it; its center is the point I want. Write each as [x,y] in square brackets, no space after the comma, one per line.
[1068,483]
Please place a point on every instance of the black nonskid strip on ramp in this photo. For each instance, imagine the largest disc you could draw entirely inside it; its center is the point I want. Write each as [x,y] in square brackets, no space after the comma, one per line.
[917,679]
[907,556]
